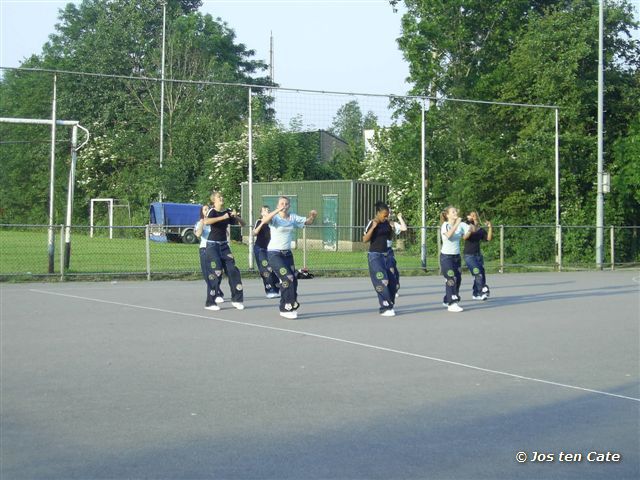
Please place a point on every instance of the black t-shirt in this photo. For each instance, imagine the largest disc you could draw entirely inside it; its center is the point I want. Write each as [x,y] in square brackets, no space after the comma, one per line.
[264,235]
[379,237]
[218,231]
[472,244]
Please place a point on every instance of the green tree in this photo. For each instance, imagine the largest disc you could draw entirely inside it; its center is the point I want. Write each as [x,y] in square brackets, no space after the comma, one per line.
[123,37]
[349,124]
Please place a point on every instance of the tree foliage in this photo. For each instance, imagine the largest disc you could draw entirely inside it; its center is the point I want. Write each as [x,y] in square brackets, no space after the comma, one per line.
[500,159]
[121,37]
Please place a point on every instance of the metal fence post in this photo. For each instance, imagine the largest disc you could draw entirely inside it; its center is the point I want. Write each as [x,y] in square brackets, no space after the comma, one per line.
[62,253]
[613,249]
[304,247]
[439,245]
[559,235]
[148,248]
[501,249]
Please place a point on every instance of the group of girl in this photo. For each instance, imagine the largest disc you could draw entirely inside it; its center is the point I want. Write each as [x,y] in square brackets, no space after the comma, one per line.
[452,229]
[383,269]
[272,251]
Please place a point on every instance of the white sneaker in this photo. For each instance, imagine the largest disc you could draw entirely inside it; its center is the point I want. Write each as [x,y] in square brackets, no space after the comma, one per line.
[212,307]
[479,297]
[454,307]
[291,315]
[389,313]
[273,295]
[238,305]
[219,300]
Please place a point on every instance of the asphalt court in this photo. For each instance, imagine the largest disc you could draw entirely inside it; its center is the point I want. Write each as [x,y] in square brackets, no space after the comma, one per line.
[137,380]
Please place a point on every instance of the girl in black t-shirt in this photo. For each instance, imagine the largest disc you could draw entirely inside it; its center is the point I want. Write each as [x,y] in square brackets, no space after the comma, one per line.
[379,232]
[263,235]
[473,256]
[219,256]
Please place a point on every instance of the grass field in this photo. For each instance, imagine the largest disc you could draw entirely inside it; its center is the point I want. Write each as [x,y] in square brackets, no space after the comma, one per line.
[25,252]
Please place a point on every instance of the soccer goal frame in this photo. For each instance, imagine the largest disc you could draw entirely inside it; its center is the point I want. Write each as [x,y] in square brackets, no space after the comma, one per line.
[112,203]
[75,125]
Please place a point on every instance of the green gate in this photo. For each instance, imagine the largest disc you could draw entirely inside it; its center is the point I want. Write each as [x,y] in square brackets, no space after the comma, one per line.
[330,222]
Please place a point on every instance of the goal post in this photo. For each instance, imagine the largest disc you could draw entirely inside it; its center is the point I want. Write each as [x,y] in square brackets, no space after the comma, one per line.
[112,204]
[74,152]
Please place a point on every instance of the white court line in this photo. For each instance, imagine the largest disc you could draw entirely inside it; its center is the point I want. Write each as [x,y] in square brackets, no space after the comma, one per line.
[341,340]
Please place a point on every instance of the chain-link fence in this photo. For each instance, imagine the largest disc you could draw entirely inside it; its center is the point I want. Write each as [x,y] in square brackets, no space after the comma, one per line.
[24,251]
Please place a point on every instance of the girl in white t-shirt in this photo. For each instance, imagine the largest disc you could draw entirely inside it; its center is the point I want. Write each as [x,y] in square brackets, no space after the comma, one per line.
[451,231]
[279,254]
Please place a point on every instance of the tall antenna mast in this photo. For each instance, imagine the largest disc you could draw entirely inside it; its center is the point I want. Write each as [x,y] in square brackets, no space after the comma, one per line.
[271,57]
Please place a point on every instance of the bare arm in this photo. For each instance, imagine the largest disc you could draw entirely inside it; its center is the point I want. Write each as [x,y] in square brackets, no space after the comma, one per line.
[489,231]
[266,219]
[472,229]
[239,218]
[199,228]
[449,233]
[369,233]
[211,221]
[403,225]
[256,230]
[311,218]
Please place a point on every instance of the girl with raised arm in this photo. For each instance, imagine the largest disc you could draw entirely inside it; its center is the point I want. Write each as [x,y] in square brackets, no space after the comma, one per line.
[378,233]
[451,231]
[219,256]
[473,256]
[262,234]
[214,297]
[279,253]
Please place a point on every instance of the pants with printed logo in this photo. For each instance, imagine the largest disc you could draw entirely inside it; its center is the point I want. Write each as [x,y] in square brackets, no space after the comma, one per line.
[207,274]
[269,278]
[220,259]
[394,269]
[476,267]
[382,278]
[451,267]
[281,262]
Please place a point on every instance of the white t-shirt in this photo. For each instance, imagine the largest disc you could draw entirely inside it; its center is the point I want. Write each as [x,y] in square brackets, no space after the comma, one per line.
[451,246]
[282,231]
[396,228]
[205,233]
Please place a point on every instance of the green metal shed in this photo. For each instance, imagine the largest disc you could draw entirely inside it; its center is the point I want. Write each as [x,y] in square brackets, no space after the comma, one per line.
[344,207]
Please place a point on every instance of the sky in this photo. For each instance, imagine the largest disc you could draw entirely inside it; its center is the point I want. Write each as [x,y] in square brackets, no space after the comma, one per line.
[328,45]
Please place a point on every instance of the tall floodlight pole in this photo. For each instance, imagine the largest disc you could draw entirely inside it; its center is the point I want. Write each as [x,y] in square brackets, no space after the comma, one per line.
[164,21]
[271,67]
[557,182]
[50,244]
[250,193]
[423,214]
[600,193]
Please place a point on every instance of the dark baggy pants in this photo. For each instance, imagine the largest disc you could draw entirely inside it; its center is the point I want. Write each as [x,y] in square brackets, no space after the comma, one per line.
[281,263]
[220,259]
[394,269]
[476,267]
[382,278]
[269,278]
[207,274]
[451,266]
